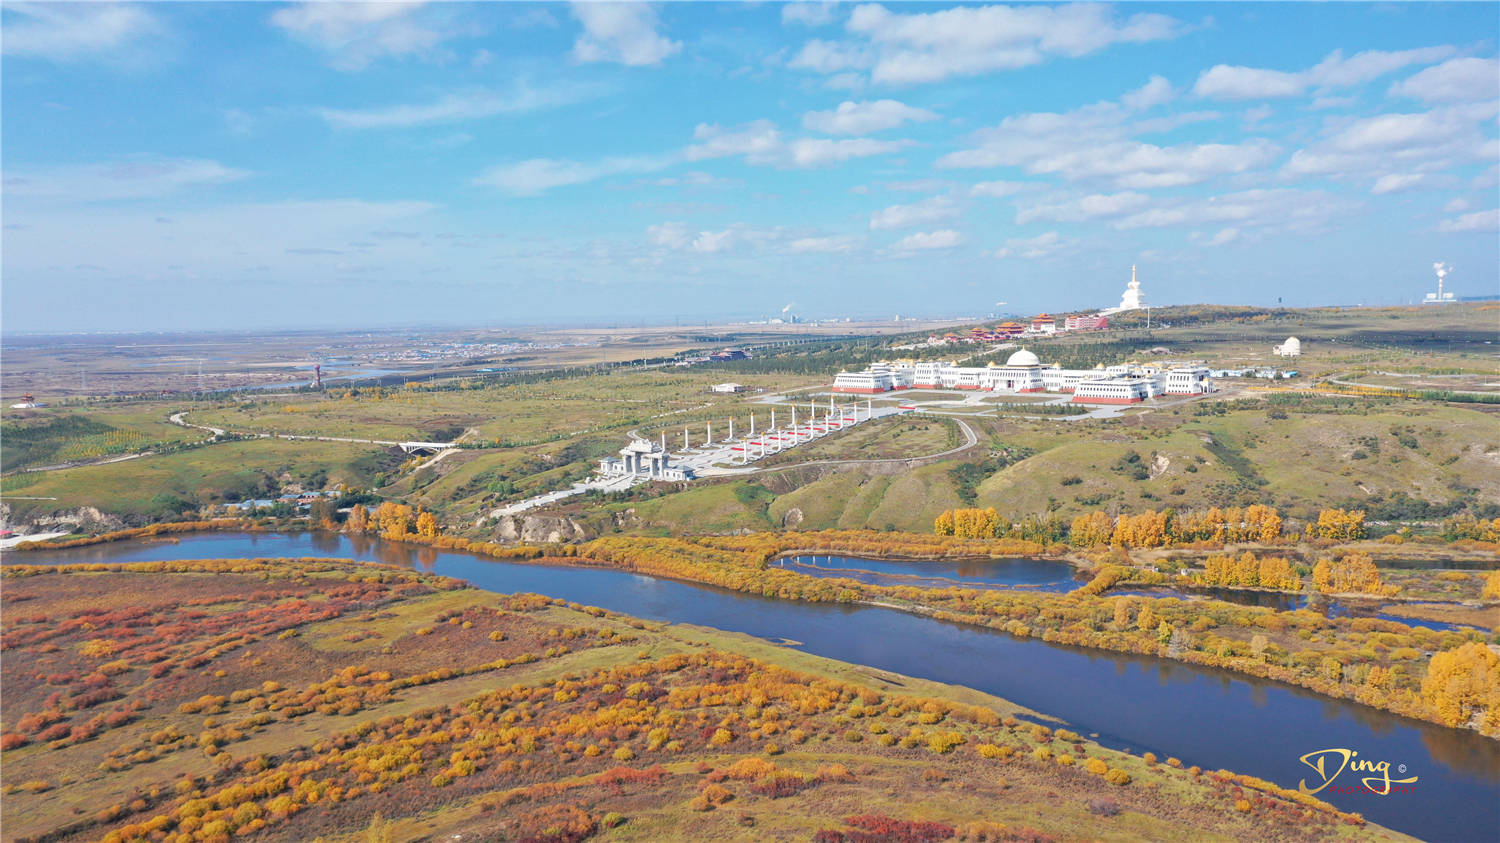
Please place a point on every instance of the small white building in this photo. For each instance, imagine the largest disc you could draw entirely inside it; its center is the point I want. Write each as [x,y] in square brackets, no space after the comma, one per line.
[727,387]
[1189,380]
[1122,390]
[1291,348]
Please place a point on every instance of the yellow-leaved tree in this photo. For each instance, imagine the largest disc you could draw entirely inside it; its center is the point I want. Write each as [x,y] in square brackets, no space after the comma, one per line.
[1463,687]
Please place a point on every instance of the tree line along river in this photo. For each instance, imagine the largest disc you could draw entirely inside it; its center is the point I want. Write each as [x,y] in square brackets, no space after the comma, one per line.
[1208,717]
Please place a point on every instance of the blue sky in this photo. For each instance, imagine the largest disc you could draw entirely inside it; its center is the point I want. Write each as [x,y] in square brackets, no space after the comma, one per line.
[209,166]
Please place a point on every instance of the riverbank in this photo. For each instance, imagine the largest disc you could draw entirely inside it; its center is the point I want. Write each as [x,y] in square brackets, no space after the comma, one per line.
[1133,702]
[425,735]
[1337,657]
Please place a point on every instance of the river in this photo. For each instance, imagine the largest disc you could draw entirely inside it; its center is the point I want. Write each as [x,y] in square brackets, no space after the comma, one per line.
[1207,717]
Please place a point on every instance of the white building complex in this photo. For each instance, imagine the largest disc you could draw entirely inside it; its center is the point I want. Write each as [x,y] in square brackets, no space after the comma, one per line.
[1024,373]
[1291,348]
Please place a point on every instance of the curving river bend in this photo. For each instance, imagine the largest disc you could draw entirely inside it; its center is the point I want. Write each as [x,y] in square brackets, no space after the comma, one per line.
[1203,716]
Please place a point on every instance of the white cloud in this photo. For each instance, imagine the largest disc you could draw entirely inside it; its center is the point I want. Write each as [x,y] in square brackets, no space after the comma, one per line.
[677,237]
[450,108]
[761,143]
[142,179]
[1284,210]
[1235,82]
[1030,248]
[356,34]
[1458,80]
[1456,205]
[1225,237]
[928,240]
[969,40]
[1397,183]
[935,209]
[1421,142]
[1229,82]
[65,32]
[1090,207]
[831,57]
[1094,142]
[669,235]
[695,178]
[825,245]
[1157,91]
[538,175]
[997,189]
[809,14]
[709,242]
[621,32]
[862,118]
[1477,221]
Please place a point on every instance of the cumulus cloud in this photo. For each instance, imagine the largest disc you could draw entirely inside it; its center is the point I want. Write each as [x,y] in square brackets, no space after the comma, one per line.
[669,235]
[356,34]
[862,118]
[825,245]
[538,175]
[761,143]
[1225,236]
[621,32]
[1284,210]
[997,189]
[1397,183]
[945,238]
[1082,208]
[452,108]
[66,32]
[1030,248]
[1457,80]
[119,180]
[1158,91]
[1409,143]
[809,14]
[1095,142]
[677,237]
[1477,221]
[922,47]
[832,56]
[925,212]
[1234,82]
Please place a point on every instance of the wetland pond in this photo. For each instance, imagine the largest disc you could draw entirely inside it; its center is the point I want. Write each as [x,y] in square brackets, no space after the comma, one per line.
[1211,718]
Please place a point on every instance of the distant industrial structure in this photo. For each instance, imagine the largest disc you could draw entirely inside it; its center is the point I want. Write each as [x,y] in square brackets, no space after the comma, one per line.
[1291,348]
[1442,270]
[1024,373]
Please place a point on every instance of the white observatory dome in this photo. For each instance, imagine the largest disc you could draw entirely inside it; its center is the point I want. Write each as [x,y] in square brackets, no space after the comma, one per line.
[1023,358]
[1292,344]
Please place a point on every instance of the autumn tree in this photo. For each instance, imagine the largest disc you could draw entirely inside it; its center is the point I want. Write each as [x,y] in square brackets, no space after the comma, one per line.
[358,520]
[1339,524]
[1463,686]
[427,525]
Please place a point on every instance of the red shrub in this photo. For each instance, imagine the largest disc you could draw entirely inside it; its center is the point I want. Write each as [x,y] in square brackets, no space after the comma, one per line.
[874,828]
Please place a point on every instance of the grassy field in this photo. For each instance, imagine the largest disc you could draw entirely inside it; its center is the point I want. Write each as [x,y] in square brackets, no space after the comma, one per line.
[293,700]
[50,435]
[1401,459]
[160,486]
[516,414]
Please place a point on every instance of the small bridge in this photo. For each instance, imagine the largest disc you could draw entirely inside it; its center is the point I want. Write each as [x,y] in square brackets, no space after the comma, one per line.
[424,449]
